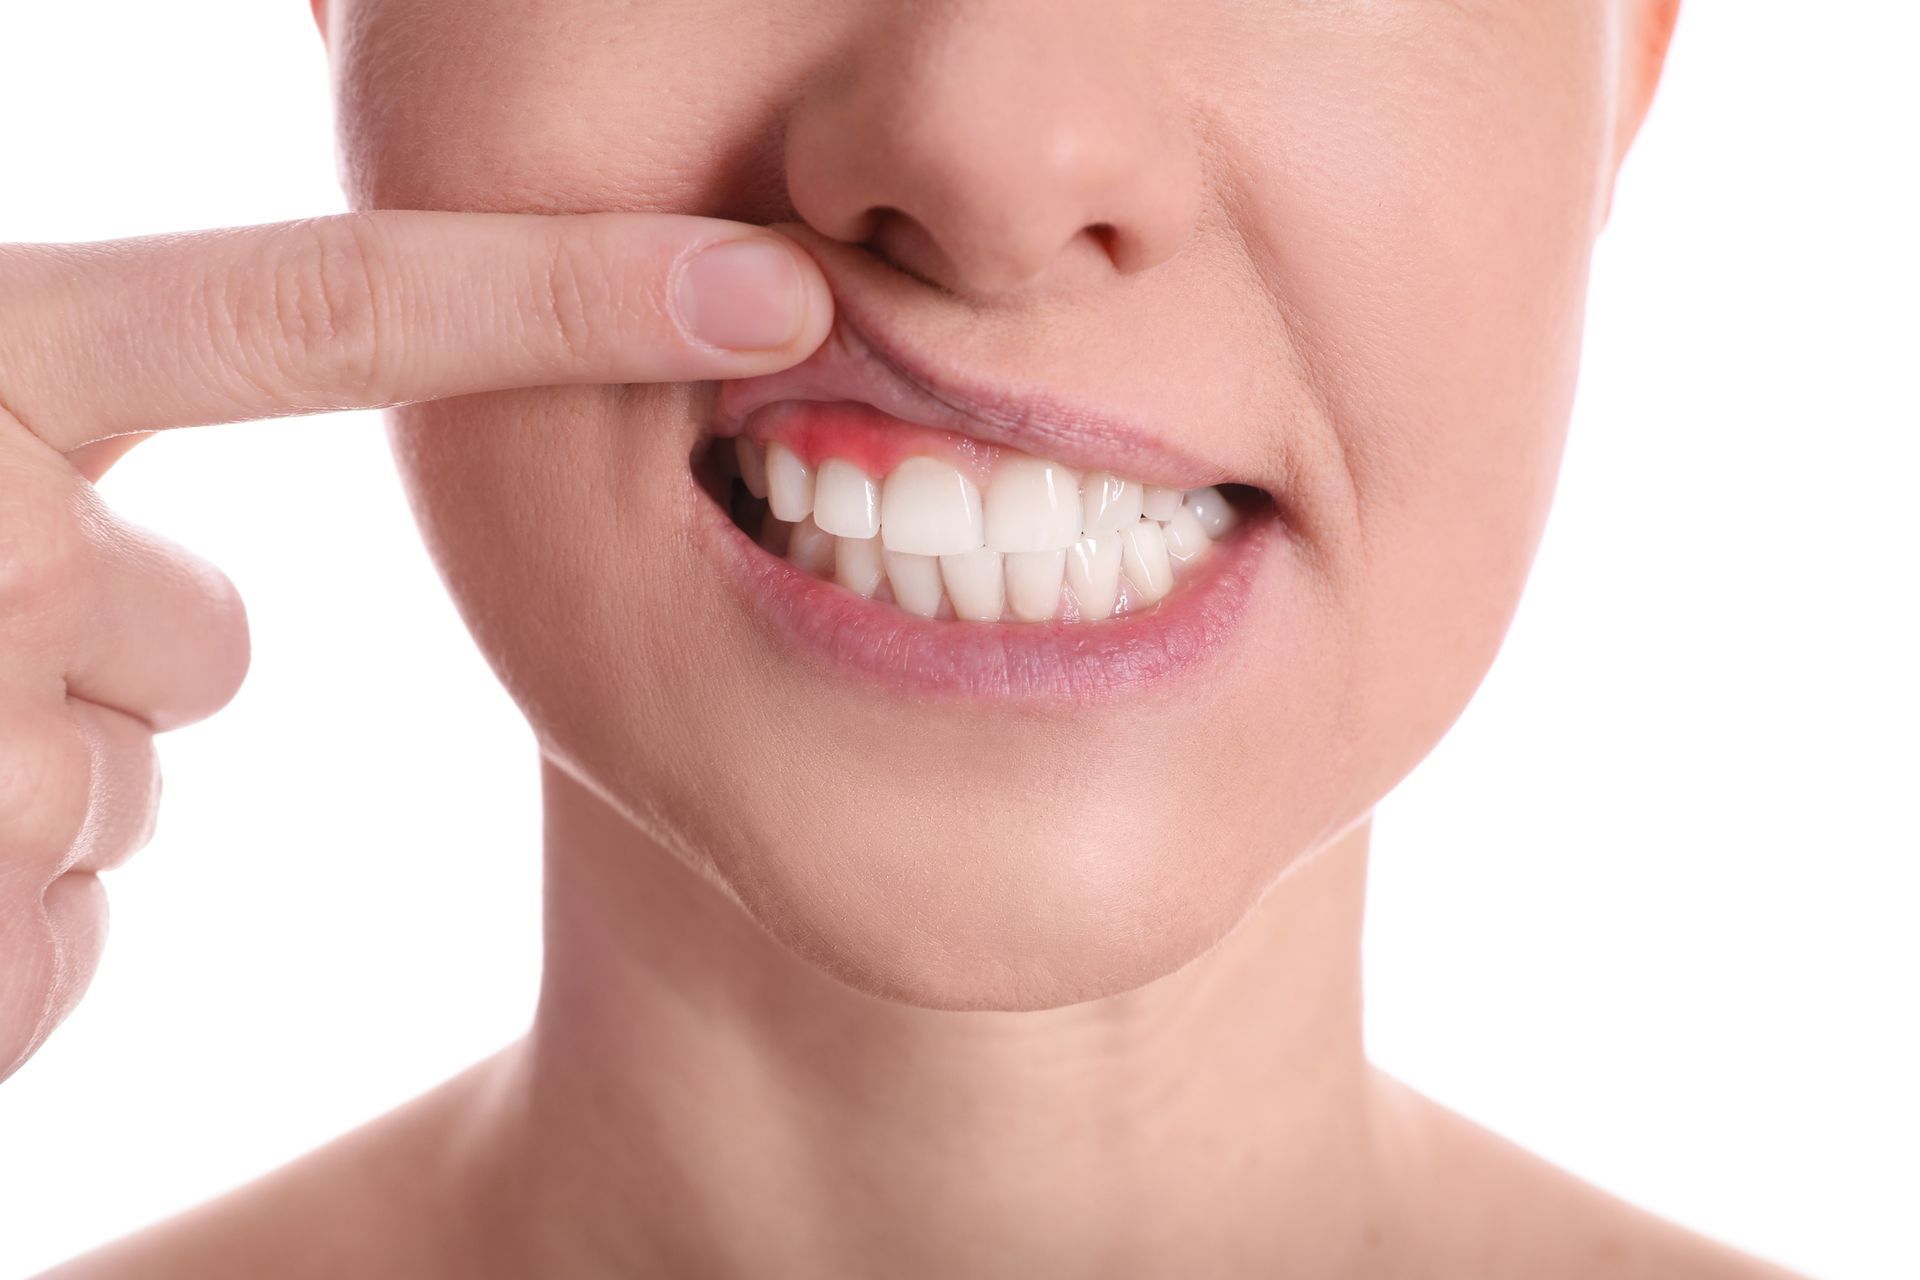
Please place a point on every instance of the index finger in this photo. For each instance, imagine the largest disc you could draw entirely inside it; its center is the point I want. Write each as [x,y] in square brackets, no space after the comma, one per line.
[374,309]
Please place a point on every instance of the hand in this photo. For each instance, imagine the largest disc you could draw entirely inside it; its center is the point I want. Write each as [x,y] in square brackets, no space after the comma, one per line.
[108,633]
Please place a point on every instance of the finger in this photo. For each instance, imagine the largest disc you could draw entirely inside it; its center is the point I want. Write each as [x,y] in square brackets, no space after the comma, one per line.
[123,788]
[160,633]
[119,615]
[365,310]
[53,947]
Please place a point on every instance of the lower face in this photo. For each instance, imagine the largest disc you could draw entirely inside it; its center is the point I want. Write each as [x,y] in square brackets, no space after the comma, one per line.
[979,715]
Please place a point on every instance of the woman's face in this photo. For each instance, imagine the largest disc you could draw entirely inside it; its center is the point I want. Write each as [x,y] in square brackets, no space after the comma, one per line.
[1330,250]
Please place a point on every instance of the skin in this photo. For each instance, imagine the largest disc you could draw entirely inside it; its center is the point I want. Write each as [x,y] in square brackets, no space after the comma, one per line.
[840,982]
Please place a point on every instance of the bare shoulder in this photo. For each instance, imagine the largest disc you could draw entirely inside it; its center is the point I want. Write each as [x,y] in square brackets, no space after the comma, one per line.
[382,1200]
[1492,1209]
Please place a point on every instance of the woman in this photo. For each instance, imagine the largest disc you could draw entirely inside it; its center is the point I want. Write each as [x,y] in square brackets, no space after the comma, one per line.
[954,858]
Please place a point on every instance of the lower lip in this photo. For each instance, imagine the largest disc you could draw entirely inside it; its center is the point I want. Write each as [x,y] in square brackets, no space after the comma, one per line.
[1195,626]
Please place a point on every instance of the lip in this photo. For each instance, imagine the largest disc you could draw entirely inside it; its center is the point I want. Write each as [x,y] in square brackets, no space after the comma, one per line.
[855,364]
[841,631]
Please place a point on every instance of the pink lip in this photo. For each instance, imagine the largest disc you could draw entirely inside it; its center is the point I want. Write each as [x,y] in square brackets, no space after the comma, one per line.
[853,365]
[1061,661]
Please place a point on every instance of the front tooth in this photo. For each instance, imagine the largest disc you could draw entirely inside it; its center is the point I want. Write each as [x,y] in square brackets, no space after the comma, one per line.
[1185,538]
[1143,556]
[1109,504]
[928,508]
[810,549]
[789,483]
[1211,508]
[846,501]
[1093,575]
[1033,583]
[976,584]
[856,564]
[1032,505]
[915,581]
[753,465]
[1160,502]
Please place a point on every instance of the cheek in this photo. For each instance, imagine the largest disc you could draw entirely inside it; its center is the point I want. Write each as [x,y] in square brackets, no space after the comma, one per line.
[1429,204]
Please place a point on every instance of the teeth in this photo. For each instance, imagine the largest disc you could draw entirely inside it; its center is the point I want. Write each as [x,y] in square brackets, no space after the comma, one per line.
[752,460]
[1143,558]
[976,584]
[1108,503]
[856,564]
[1211,508]
[1160,502]
[915,581]
[1185,538]
[789,484]
[1093,575]
[1033,583]
[1032,505]
[809,549]
[930,509]
[846,501]
[932,537]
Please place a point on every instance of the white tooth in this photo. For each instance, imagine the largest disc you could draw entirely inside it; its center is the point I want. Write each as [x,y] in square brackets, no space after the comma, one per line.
[976,583]
[1211,508]
[1143,555]
[753,465]
[809,549]
[1185,538]
[929,509]
[915,580]
[1032,505]
[789,483]
[856,564]
[846,501]
[1109,504]
[1160,502]
[1033,583]
[1093,575]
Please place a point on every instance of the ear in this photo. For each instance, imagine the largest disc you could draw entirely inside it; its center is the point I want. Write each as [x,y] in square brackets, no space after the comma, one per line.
[320,17]
[1646,30]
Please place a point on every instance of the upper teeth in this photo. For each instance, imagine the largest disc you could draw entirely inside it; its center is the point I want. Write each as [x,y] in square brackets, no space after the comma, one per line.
[927,531]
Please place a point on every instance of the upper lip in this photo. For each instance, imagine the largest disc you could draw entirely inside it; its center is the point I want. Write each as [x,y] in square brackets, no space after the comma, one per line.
[859,361]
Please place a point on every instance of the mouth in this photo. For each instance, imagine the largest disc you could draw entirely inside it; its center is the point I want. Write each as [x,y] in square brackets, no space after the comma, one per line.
[917,529]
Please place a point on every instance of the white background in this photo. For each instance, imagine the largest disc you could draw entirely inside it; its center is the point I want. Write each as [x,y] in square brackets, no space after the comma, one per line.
[1649,910]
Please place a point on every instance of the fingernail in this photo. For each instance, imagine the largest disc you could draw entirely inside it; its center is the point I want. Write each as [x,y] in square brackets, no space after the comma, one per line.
[744,295]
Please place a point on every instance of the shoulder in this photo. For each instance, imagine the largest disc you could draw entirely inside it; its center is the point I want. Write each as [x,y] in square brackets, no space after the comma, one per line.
[370,1204]
[1491,1209]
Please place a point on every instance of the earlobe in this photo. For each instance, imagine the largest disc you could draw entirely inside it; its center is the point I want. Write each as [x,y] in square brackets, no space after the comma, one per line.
[1646,32]
[320,17]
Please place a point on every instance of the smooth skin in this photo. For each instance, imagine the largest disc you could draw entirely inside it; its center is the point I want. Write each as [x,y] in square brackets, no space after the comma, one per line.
[816,1000]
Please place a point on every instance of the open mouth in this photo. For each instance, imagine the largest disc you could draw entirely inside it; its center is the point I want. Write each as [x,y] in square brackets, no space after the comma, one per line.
[948,527]
[883,514]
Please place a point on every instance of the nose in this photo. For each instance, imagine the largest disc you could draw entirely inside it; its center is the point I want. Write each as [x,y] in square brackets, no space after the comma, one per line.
[1000,146]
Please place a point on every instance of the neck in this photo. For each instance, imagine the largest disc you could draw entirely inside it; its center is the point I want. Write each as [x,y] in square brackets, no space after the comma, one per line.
[694,1099]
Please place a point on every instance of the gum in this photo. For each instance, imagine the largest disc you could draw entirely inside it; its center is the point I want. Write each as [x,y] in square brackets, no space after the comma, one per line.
[875,442]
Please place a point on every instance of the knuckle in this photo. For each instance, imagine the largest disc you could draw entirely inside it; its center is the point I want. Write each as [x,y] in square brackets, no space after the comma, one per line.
[311,317]
[46,769]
